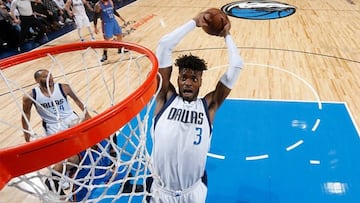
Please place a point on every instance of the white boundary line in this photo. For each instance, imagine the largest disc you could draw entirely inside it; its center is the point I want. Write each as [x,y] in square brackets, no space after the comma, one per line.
[215,156]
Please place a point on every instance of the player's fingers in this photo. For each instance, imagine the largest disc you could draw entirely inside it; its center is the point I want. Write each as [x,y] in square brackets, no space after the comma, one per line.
[226,29]
[201,19]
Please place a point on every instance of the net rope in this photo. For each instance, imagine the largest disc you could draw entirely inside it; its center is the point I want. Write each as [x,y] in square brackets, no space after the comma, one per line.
[118,168]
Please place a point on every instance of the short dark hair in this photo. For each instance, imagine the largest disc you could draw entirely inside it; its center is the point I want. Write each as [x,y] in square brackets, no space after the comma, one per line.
[38,72]
[191,62]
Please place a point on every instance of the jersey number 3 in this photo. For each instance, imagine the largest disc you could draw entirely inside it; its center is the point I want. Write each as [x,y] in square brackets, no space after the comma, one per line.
[198,136]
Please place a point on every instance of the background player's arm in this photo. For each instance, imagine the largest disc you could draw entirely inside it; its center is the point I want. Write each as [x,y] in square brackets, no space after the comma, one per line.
[68,91]
[118,15]
[68,8]
[87,4]
[27,104]
[97,10]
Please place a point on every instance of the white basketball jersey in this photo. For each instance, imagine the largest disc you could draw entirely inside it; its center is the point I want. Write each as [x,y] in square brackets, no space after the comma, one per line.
[54,108]
[181,135]
[78,7]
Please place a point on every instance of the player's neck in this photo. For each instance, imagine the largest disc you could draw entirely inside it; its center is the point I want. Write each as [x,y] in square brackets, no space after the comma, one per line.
[187,101]
[46,91]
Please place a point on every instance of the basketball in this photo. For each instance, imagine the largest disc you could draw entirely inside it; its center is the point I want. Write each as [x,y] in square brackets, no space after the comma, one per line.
[216,20]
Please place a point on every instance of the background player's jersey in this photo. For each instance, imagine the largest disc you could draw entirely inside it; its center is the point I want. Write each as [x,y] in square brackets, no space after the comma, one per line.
[78,8]
[107,12]
[188,124]
[53,108]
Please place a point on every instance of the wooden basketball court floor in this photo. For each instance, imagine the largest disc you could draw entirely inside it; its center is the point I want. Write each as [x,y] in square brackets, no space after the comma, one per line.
[310,56]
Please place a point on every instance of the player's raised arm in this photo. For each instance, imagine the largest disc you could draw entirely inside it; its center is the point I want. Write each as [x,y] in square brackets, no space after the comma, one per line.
[229,78]
[164,55]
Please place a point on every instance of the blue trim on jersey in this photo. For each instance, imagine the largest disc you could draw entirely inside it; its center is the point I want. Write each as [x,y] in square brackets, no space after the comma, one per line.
[34,94]
[62,91]
[167,104]
[207,114]
[43,123]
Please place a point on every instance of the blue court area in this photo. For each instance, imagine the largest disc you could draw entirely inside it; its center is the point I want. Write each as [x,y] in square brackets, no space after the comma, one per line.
[266,151]
[281,152]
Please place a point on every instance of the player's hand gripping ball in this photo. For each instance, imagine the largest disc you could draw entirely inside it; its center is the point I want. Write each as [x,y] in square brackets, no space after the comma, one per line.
[216,20]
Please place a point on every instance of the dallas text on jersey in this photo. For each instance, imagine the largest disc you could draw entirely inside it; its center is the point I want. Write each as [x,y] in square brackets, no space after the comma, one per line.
[186,116]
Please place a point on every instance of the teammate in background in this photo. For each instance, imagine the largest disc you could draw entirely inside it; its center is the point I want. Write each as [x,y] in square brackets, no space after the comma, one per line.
[50,100]
[182,124]
[110,27]
[76,10]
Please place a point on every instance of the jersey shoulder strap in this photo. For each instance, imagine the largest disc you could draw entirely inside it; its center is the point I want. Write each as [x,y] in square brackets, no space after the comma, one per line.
[62,91]
[33,93]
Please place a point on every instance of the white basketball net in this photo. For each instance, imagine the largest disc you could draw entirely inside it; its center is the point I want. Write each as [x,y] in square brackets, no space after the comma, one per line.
[115,170]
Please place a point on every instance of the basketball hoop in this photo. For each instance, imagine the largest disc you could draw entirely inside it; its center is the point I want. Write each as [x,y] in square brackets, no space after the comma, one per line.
[124,118]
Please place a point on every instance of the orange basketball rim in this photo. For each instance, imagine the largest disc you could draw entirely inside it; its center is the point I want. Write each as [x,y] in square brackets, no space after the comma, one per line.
[32,156]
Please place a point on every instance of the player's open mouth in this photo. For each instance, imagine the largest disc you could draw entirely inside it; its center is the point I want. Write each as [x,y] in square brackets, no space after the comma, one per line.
[187,91]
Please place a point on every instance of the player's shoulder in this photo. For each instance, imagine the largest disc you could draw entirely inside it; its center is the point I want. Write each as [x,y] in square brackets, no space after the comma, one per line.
[64,86]
[29,94]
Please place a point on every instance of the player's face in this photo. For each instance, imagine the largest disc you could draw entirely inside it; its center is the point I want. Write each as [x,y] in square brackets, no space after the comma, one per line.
[189,82]
[46,78]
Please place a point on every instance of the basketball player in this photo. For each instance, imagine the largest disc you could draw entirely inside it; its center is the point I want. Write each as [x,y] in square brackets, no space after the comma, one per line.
[110,27]
[182,124]
[76,10]
[50,100]
[51,103]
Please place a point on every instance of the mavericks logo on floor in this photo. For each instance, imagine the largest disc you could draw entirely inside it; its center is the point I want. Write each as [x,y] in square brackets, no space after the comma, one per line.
[258,10]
